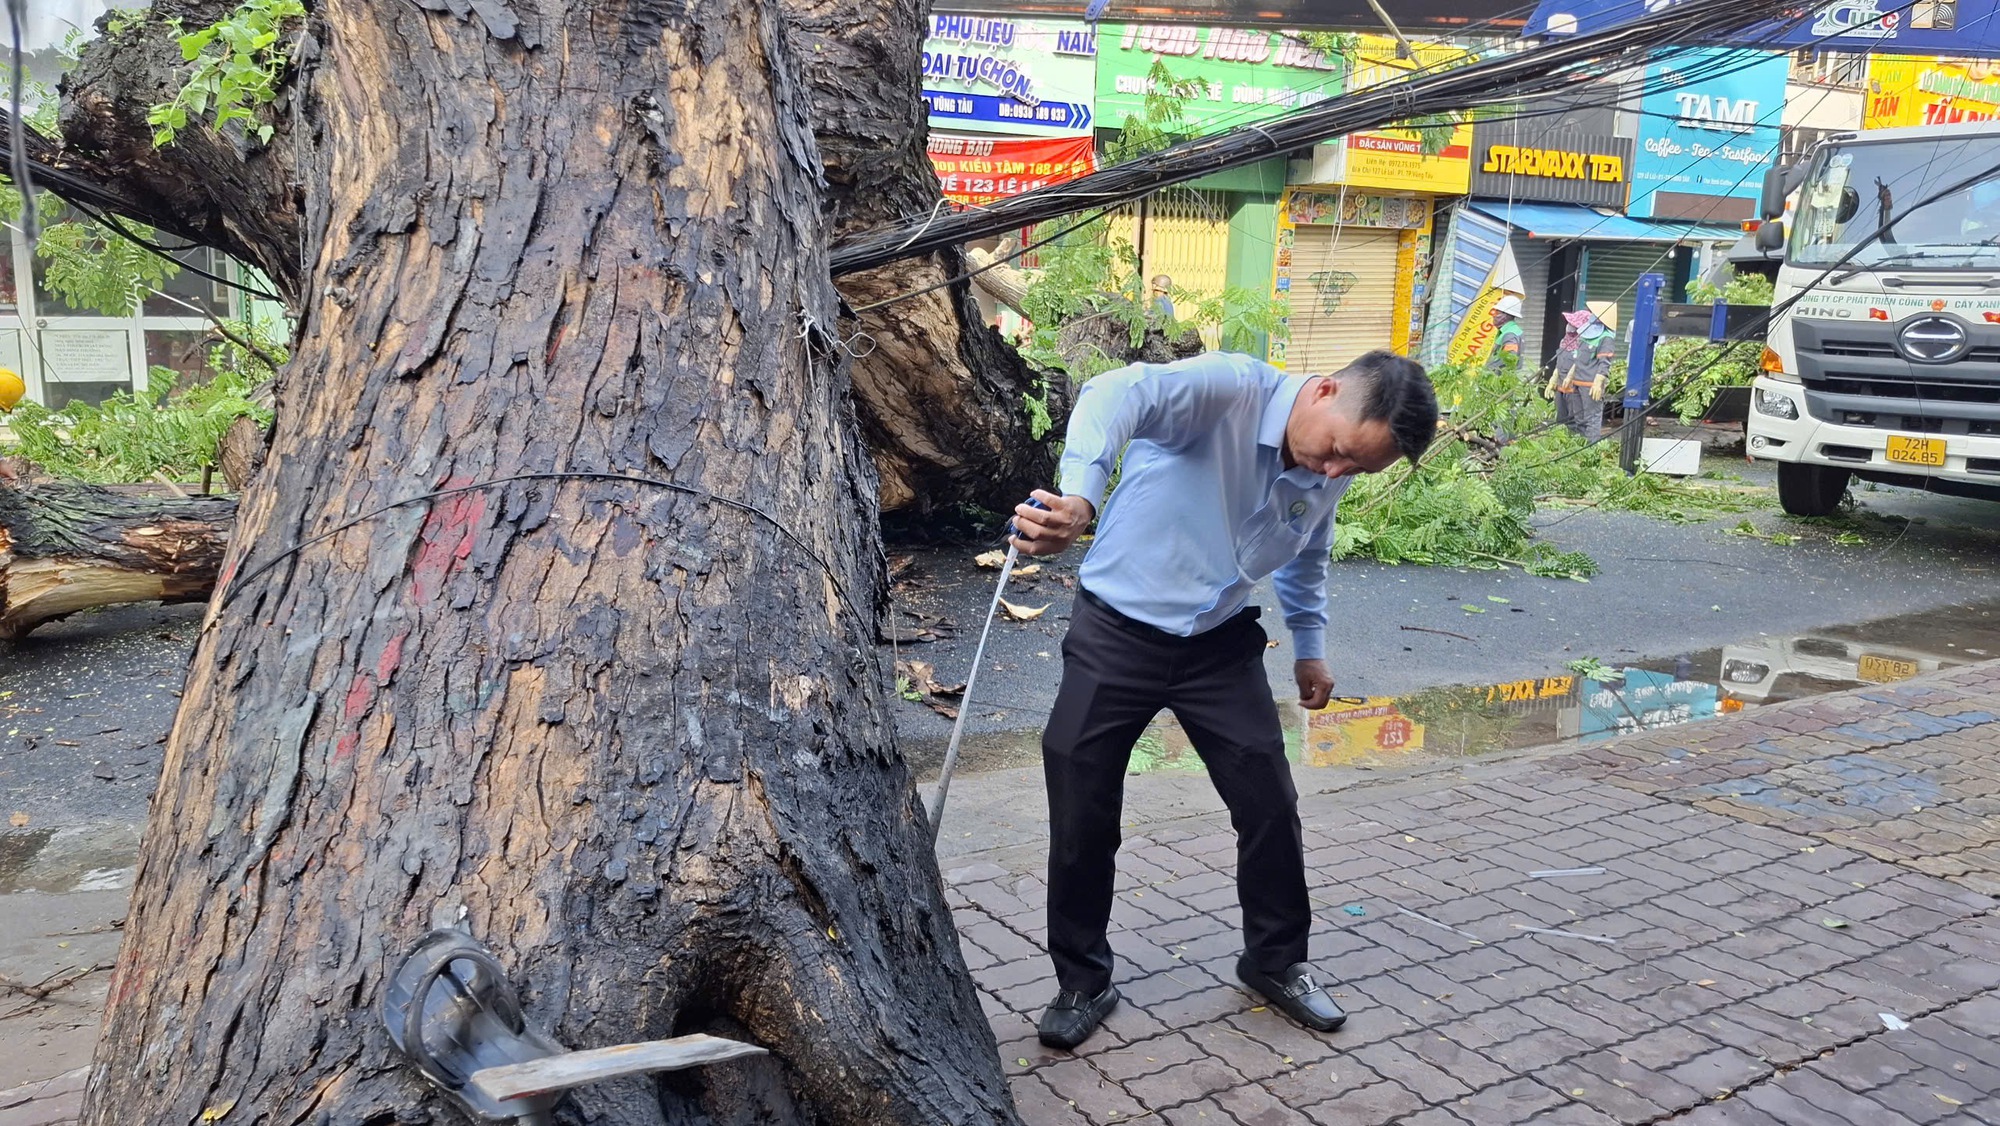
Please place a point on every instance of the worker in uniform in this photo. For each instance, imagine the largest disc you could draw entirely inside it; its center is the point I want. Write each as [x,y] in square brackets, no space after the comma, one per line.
[1506,355]
[1583,361]
[1229,471]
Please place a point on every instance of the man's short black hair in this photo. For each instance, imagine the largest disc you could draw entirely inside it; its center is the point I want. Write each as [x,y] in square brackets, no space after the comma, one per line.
[1397,391]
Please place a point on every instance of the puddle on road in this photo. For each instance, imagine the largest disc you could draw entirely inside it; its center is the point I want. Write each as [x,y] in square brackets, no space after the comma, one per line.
[94,858]
[1563,704]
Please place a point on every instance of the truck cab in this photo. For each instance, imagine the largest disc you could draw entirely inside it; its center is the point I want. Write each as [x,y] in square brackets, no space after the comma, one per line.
[1887,366]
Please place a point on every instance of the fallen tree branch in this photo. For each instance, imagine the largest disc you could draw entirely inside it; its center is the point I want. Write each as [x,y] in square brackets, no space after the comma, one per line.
[1442,632]
[54,983]
[66,547]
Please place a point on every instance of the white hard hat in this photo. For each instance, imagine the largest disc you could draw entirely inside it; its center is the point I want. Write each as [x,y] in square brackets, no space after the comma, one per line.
[1508,304]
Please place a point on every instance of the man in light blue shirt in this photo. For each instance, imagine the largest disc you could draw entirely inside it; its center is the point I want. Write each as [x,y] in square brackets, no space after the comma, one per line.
[1231,471]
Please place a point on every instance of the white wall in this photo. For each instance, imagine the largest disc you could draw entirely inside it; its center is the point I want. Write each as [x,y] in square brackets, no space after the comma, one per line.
[1812,106]
[49,21]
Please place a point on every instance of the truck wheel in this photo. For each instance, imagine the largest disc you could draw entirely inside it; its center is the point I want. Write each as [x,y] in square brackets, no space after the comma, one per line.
[1811,490]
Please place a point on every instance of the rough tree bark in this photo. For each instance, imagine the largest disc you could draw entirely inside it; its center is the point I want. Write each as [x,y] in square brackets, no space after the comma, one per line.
[938,392]
[66,547]
[634,738]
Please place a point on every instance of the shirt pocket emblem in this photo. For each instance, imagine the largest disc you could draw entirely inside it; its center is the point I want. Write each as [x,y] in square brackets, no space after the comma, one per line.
[1298,509]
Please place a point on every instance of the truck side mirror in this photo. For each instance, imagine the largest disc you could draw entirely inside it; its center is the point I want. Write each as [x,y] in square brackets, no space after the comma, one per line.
[1773,200]
[1771,235]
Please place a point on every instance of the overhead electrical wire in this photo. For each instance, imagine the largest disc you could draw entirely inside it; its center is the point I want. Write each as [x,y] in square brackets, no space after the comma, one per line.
[1543,70]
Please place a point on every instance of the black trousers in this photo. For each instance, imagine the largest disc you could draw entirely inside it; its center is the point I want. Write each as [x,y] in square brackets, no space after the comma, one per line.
[1117,675]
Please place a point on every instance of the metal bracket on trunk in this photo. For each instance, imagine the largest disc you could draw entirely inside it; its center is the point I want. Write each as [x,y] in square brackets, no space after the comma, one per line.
[451,1009]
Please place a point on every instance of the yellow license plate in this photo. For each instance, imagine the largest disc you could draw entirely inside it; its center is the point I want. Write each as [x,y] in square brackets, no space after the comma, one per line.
[1886,670]
[1915,451]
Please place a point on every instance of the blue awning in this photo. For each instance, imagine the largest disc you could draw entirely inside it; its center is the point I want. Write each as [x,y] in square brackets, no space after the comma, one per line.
[1575,221]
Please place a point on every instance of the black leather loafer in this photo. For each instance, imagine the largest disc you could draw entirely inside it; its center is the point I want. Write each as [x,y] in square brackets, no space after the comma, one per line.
[1296,992]
[1074,1015]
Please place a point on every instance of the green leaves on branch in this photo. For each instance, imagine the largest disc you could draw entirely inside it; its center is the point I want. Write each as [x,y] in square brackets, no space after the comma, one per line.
[135,436]
[238,63]
[92,267]
[1472,502]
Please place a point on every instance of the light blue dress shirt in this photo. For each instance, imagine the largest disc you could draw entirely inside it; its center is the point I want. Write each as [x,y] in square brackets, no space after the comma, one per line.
[1205,506]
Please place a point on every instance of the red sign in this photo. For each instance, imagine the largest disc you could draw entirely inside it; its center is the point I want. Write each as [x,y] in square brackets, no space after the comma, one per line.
[975,171]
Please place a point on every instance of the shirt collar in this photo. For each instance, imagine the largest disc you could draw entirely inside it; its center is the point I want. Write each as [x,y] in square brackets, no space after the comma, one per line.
[1278,411]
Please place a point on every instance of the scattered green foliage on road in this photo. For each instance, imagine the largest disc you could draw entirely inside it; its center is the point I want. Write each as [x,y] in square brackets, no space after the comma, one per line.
[1472,502]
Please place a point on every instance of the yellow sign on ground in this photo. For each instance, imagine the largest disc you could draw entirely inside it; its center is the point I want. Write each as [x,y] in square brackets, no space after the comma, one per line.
[1908,90]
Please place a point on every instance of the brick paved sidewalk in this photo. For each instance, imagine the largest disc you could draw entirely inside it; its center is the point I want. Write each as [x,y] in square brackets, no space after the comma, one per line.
[1794,925]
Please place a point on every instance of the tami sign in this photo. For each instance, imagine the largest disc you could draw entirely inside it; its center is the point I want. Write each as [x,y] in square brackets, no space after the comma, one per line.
[1708,128]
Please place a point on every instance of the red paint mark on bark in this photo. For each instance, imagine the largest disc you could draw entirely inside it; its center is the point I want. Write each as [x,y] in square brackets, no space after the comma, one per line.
[346,745]
[392,658]
[359,694]
[447,539]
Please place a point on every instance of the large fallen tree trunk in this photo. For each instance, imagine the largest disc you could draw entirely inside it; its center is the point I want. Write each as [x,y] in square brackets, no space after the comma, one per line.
[938,392]
[630,730]
[66,547]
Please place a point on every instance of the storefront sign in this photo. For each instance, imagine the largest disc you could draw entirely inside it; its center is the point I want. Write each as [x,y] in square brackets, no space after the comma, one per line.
[1709,137]
[975,171]
[1556,164]
[1394,159]
[1026,77]
[1515,160]
[1303,208]
[1936,27]
[1242,75]
[1903,90]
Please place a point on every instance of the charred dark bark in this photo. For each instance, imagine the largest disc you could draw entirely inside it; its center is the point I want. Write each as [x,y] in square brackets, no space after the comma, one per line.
[66,547]
[221,187]
[938,391]
[636,739]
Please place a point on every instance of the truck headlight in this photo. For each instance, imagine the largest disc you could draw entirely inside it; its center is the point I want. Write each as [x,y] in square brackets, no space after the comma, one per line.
[1777,405]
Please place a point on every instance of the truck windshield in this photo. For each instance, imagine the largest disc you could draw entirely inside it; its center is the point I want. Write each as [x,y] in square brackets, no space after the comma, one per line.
[1853,190]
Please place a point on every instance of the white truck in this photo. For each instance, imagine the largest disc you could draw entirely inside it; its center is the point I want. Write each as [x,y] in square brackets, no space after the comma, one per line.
[1888,369]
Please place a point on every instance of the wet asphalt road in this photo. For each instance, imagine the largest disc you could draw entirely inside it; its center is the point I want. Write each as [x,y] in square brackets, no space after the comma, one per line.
[1664,590]
[85,704]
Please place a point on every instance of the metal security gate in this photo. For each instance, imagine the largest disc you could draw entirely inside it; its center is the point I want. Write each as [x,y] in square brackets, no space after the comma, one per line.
[1185,236]
[1343,296]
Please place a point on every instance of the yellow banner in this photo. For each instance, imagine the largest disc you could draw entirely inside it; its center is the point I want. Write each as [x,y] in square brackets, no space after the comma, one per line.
[1475,333]
[1393,159]
[1907,90]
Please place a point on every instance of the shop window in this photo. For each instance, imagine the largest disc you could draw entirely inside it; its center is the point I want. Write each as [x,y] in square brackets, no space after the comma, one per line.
[184,351]
[188,294]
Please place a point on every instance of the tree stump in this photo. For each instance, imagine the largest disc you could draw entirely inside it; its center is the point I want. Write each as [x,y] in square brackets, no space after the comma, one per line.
[66,547]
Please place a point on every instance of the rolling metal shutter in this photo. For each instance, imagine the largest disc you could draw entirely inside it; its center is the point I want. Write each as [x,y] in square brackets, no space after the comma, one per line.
[1186,238]
[1612,270]
[1343,296]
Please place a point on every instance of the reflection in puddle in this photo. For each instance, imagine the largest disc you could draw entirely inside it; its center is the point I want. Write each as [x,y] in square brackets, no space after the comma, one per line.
[1597,702]
[1590,703]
